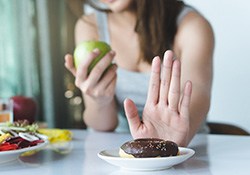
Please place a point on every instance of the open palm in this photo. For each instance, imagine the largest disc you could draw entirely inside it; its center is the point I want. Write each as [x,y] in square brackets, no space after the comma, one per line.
[166,112]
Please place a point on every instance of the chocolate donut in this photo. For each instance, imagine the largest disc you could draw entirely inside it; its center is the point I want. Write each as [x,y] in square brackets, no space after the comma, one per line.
[148,147]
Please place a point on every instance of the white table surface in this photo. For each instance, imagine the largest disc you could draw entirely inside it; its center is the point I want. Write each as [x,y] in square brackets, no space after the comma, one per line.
[215,155]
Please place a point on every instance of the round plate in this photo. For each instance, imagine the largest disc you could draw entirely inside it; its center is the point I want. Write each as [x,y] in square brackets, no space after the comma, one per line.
[145,164]
[6,156]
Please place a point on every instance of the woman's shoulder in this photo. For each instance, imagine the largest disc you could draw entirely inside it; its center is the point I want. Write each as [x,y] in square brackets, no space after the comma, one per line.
[194,29]
[86,28]
[194,20]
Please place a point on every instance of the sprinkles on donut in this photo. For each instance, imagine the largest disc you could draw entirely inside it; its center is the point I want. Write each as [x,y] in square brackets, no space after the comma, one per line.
[148,147]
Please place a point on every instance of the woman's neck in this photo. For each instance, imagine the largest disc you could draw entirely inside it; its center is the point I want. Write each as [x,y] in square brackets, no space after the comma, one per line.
[125,18]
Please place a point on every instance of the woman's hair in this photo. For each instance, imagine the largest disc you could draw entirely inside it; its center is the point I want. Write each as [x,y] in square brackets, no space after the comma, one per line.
[156,25]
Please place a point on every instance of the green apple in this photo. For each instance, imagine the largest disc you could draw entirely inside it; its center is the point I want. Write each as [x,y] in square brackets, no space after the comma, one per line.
[83,50]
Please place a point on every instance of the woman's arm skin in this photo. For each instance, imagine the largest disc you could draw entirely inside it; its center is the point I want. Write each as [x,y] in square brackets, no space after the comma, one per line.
[195,43]
[98,88]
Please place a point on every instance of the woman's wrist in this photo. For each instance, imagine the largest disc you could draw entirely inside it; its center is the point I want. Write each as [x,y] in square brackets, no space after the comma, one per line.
[101,117]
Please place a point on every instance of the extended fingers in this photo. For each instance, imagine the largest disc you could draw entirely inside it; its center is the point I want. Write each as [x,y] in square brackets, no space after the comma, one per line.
[164,85]
[185,103]
[166,76]
[132,115]
[154,83]
[174,90]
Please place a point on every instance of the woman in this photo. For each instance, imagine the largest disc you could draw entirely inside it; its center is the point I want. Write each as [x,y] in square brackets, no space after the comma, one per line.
[141,32]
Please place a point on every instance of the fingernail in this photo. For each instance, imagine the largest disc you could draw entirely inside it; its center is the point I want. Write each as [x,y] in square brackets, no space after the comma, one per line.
[96,50]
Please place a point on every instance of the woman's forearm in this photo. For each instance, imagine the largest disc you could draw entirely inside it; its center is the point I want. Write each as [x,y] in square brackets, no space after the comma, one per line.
[101,117]
[198,112]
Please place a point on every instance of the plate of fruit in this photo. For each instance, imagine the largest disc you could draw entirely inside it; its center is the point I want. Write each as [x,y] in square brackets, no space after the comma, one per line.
[18,138]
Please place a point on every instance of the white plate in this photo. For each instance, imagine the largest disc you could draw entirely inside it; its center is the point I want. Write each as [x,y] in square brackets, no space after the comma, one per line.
[145,164]
[6,156]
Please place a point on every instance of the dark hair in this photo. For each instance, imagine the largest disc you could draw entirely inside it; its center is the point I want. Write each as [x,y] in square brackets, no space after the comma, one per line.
[156,25]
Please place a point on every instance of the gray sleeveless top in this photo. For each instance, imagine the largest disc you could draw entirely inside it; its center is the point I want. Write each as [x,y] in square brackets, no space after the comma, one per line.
[133,85]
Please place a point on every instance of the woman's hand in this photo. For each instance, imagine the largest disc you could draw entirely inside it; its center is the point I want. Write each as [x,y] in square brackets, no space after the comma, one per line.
[166,112]
[98,89]
[99,85]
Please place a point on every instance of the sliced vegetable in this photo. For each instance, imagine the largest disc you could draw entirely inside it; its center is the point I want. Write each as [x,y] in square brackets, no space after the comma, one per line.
[4,137]
[8,147]
[19,135]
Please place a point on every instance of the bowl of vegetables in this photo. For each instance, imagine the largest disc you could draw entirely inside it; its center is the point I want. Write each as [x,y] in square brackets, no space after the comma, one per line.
[19,137]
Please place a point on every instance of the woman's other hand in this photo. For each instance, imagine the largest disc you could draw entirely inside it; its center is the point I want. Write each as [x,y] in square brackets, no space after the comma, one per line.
[166,112]
[99,84]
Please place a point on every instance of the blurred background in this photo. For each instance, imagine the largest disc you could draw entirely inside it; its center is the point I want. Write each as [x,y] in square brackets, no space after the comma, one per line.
[34,37]
[231,84]
[36,34]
